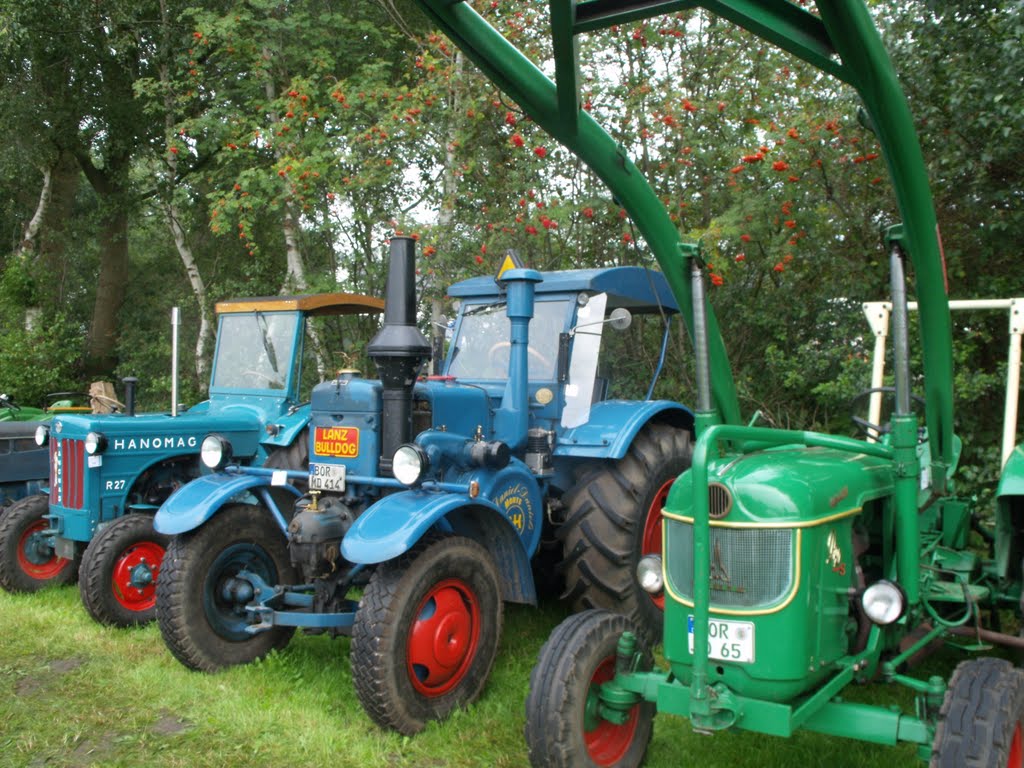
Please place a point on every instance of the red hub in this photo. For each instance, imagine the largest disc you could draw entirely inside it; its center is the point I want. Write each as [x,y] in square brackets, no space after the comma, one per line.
[134,577]
[608,743]
[443,639]
[35,554]
[651,544]
[1016,758]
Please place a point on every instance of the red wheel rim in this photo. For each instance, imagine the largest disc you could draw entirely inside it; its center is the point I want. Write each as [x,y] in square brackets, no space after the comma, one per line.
[443,638]
[608,743]
[41,568]
[134,577]
[1016,758]
[651,544]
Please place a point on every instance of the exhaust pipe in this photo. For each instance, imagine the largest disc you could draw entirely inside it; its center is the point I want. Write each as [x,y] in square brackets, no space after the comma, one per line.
[130,383]
[398,349]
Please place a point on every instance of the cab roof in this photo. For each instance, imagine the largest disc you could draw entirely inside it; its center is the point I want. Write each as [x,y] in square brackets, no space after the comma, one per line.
[638,289]
[311,304]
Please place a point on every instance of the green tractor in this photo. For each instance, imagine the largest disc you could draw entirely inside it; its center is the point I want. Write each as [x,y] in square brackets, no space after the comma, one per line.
[794,564]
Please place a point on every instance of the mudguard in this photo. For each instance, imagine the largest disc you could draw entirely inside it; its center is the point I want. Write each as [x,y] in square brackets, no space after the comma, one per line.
[614,424]
[289,426]
[194,503]
[395,523]
[1009,549]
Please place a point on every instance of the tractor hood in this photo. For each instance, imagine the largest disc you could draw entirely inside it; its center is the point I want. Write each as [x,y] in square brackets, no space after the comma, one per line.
[787,486]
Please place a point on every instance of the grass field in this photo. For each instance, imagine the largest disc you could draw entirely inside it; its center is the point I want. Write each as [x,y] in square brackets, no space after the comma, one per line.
[73,693]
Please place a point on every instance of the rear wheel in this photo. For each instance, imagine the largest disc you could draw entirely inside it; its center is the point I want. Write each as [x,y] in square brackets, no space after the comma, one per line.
[426,633]
[119,571]
[201,596]
[563,727]
[613,518]
[28,561]
[980,723]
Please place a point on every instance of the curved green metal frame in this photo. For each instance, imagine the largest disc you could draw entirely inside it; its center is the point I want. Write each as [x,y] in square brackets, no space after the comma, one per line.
[842,41]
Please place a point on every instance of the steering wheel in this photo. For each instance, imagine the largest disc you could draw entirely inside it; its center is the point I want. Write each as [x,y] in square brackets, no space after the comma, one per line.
[274,383]
[6,401]
[494,358]
[875,431]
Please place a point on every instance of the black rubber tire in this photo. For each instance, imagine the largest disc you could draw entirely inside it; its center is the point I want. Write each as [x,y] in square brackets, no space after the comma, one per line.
[580,652]
[101,578]
[385,628]
[604,526]
[982,717]
[19,574]
[193,624]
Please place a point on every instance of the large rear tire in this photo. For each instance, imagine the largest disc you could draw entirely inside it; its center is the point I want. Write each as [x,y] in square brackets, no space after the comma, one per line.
[28,561]
[120,569]
[563,729]
[426,633]
[200,602]
[613,518]
[980,722]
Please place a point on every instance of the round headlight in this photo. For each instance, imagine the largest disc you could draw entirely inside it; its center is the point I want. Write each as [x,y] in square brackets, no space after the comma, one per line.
[95,443]
[883,602]
[648,573]
[42,435]
[409,463]
[215,451]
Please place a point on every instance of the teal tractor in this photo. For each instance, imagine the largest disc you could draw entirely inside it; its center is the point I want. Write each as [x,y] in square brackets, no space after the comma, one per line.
[430,496]
[109,473]
[795,564]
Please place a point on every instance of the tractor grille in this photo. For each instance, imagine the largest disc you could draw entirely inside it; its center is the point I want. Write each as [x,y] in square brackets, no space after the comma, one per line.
[67,473]
[750,567]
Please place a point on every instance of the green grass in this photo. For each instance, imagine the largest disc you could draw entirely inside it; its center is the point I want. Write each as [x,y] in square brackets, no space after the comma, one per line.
[73,693]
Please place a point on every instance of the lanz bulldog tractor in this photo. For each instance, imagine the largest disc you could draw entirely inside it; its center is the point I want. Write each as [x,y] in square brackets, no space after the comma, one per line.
[432,494]
[794,564]
[108,474]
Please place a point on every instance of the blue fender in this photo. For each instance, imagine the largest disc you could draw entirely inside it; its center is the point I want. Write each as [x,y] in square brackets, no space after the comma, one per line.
[394,524]
[194,503]
[614,424]
[289,426]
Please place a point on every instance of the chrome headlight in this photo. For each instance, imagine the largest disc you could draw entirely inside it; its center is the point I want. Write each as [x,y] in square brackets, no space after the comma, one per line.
[42,435]
[95,443]
[215,451]
[409,463]
[883,602]
[648,573]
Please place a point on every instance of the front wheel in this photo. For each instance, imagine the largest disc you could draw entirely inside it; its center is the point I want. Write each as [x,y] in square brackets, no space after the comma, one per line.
[201,597]
[119,571]
[981,717]
[426,633]
[563,726]
[28,561]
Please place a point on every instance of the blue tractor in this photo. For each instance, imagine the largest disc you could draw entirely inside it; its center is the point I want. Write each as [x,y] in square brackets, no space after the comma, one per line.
[108,474]
[432,494]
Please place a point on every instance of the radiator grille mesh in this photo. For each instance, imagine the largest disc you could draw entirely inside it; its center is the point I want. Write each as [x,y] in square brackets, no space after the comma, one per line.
[750,567]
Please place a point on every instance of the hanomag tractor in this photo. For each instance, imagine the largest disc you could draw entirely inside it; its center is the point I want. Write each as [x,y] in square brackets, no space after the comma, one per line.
[794,563]
[108,474]
[431,494]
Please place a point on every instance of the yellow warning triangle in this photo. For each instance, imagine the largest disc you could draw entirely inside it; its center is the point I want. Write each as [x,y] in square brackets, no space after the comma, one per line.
[511,261]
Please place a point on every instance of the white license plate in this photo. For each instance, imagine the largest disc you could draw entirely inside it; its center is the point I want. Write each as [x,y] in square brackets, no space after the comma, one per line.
[728,640]
[327,477]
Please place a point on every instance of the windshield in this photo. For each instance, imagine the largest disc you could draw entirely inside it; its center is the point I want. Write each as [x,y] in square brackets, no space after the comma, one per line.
[482,345]
[255,351]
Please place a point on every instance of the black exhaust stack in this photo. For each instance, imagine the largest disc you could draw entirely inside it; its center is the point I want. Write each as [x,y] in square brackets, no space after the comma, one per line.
[398,349]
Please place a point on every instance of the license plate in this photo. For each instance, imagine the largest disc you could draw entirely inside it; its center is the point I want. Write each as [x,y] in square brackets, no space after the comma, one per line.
[327,477]
[728,640]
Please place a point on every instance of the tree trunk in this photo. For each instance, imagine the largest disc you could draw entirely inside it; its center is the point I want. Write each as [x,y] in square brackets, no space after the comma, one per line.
[111,283]
[198,290]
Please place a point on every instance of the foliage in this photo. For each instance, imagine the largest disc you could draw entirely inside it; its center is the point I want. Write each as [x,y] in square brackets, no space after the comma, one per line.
[292,144]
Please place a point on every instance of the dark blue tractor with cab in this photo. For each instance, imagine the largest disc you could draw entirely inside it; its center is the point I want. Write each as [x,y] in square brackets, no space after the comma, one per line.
[429,496]
[108,474]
